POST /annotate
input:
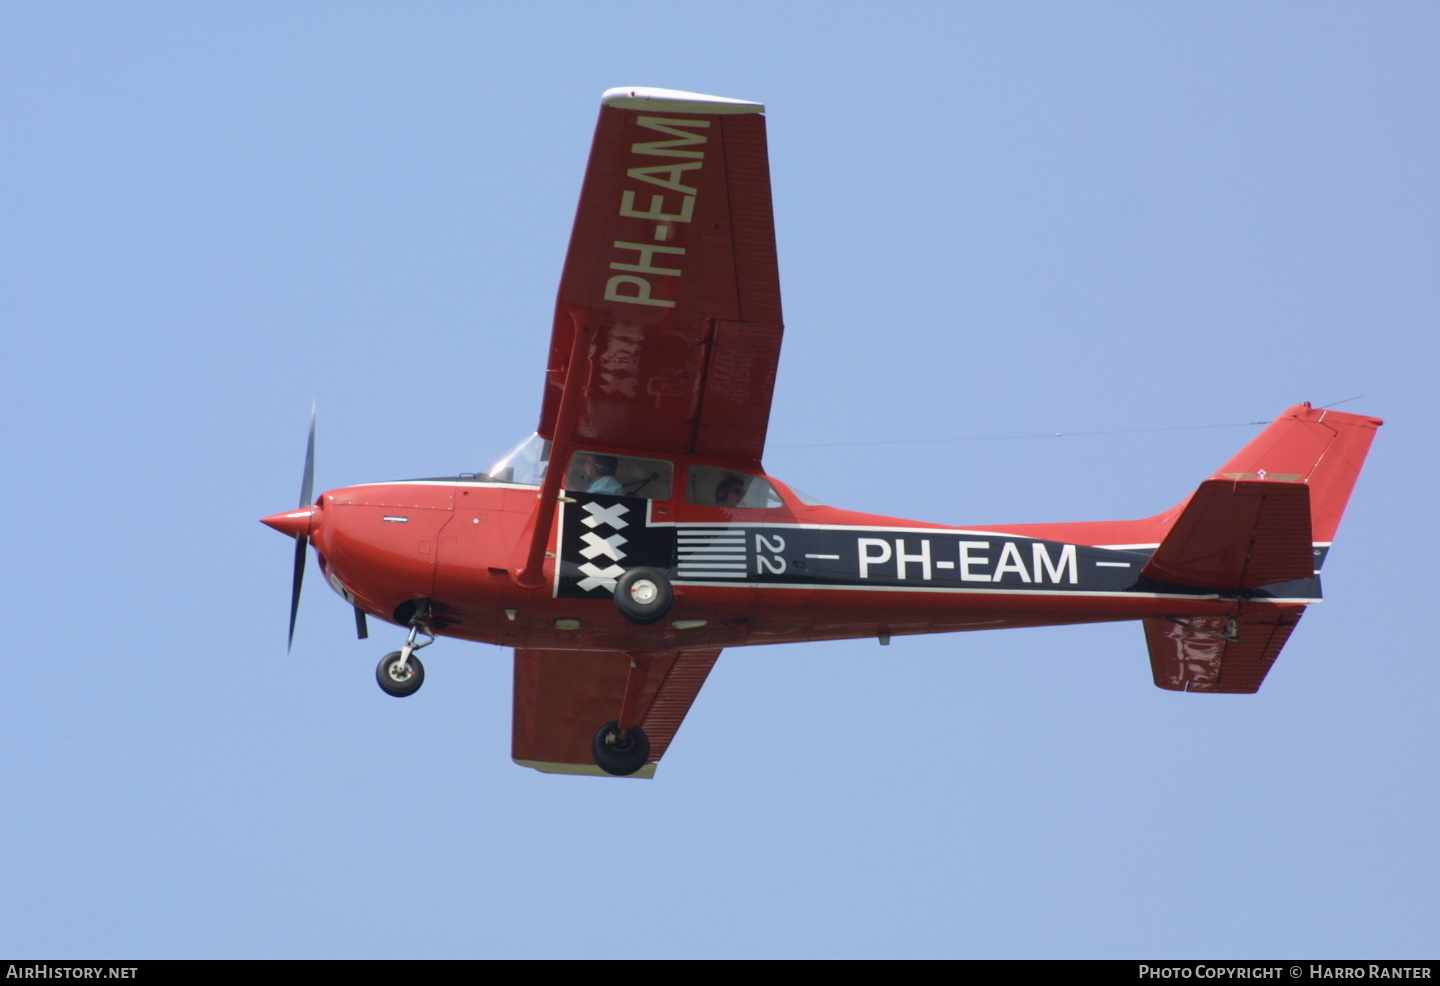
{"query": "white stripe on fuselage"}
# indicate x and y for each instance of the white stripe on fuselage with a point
(965, 590)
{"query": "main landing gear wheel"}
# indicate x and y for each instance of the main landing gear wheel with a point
(400, 681)
(620, 755)
(643, 595)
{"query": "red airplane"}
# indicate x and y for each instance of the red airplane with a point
(636, 533)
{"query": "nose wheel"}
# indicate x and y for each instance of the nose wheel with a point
(399, 678)
(400, 672)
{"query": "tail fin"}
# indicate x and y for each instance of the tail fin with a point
(1269, 513)
(1255, 522)
(1322, 449)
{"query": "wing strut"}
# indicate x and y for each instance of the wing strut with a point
(532, 576)
(631, 711)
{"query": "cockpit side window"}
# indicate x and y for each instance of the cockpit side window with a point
(711, 487)
(620, 475)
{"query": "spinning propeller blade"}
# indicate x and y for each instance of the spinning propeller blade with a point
(300, 544)
(302, 541)
(307, 484)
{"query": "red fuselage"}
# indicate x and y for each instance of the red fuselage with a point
(797, 572)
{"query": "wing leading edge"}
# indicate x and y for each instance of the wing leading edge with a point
(672, 272)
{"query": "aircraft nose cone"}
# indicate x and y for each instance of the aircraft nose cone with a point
(293, 522)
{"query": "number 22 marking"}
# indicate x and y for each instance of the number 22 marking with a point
(775, 565)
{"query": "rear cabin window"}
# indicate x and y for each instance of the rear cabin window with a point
(620, 475)
(711, 487)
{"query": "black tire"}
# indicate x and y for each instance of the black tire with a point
(617, 756)
(643, 595)
(390, 684)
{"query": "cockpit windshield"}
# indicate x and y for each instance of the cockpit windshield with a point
(524, 464)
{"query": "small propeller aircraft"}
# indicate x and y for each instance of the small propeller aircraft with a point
(636, 533)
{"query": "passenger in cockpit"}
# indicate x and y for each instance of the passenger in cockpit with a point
(729, 491)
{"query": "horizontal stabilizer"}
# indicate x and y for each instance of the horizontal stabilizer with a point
(1238, 535)
(1217, 653)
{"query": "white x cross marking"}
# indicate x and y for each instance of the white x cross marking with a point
(609, 547)
(605, 515)
(597, 576)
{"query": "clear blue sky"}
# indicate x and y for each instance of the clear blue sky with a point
(994, 220)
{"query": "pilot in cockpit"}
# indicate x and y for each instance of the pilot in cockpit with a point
(599, 472)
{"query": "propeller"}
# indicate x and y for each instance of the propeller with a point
(299, 524)
(302, 541)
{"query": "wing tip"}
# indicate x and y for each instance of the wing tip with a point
(675, 100)
(579, 769)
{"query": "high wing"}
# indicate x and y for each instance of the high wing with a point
(671, 273)
(561, 696)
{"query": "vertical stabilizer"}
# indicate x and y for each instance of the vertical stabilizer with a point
(1320, 448)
